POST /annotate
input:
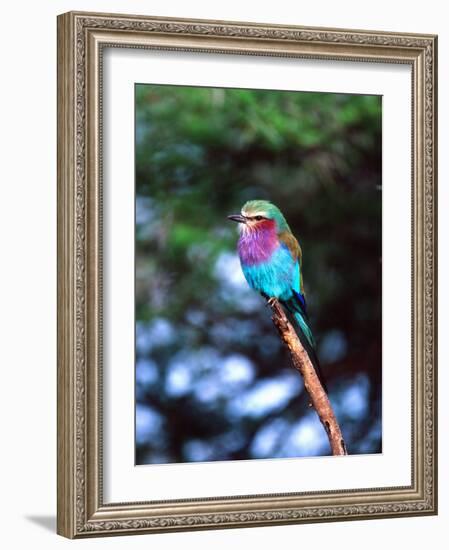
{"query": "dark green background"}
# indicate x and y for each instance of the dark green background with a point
(213, 381)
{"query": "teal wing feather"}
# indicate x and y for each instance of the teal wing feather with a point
(296, 304)
(290, 241)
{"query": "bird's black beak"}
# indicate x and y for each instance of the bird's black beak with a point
(237, 218)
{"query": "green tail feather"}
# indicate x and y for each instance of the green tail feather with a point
(306, 337)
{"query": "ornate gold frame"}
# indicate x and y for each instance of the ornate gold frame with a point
(81, 38)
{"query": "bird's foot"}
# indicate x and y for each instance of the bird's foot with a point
(271, 301)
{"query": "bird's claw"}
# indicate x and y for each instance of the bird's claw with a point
(271, 301)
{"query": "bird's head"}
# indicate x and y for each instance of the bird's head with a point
(258, 215)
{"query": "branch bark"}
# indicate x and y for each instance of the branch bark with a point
(302, 363)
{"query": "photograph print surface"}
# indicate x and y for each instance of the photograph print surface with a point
(241, 194)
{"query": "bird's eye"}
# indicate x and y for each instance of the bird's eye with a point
(258, 218)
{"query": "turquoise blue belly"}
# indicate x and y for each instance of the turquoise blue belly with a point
(276, 277)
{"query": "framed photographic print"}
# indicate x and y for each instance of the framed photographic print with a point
(246, 274)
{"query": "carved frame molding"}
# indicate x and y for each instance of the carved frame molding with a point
(81, 39)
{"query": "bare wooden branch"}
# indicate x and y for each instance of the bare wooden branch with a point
(301, 361)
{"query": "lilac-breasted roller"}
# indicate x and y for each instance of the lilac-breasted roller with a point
(271, 261)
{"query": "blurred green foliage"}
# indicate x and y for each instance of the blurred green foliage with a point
(200, 154)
